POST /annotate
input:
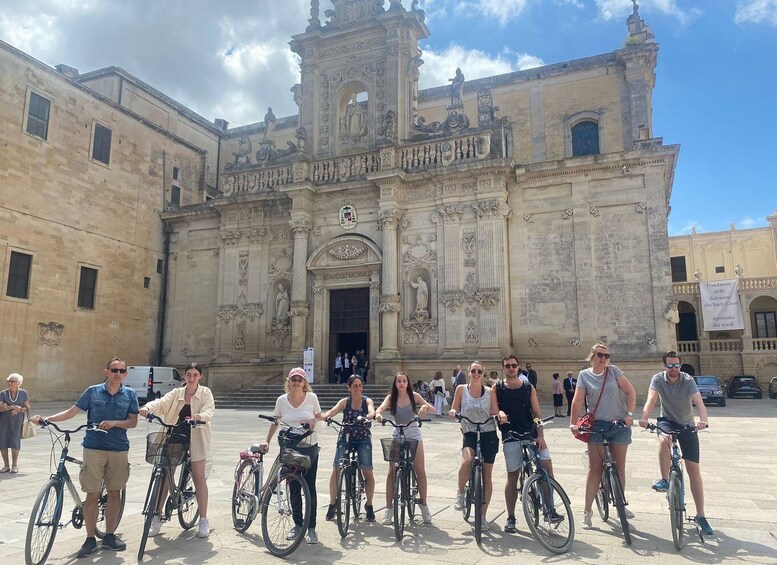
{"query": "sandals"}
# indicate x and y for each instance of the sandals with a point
(14, 469)
(5, 469)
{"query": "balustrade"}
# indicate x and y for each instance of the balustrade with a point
(687, 346)
(768, 344)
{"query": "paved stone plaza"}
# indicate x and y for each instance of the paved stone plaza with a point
(739, 458)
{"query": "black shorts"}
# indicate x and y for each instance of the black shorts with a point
(689, 441)
(558, 400)
(489, 444)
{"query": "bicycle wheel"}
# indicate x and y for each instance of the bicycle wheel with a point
(477, 500)
(619, 500)
(400, 497)
(188, 509)
(676, 509)
(102, 505)
(357, 493)
(412, 490)
(467, 509)
(343, 500)
(150, 510)
(548, 513)
(44, 523)
(280, 531)
(603, 498)
(244, 493)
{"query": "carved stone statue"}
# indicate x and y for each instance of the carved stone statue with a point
(282, 303)
(457, 89)
(421, 297)
(395, 5)
(269, 124)
(672, 314)
(297, 90)
(354, 123)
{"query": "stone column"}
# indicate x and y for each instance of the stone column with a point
(448, 220)
(389, 300)
(300, 309)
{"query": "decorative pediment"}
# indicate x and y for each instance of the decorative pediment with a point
(349, 250)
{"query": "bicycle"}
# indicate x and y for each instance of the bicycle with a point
(401, 452)
(351, 489)
(283, 526)
(47, 510)
(249, 476)
(676, 493)
(166, 449)
(542, 497)
(474, 491)
(610, 487)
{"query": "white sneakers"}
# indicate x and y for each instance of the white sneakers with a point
(484, 524)
(459, 503)
(156, 525)
(204, 529)
(425, 514)
(587, 520)
(387, 516)
(629, 514)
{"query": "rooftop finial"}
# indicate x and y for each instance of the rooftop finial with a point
(638, 31)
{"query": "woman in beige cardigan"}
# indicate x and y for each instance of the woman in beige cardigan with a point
(190, 401)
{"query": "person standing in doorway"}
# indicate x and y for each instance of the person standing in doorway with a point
(347, 371)
(569, 388)
(558, 395)
(338, 367)
(531, 374)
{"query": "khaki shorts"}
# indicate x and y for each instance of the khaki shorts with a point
(110, 467)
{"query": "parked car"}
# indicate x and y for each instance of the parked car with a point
(744, 385)
(773, 388)
(152, 382)
(711, 390)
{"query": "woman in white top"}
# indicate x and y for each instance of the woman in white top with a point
(477, 402)
(437, 387)
(300, 406)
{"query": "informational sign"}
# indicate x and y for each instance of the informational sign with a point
(307, 363)
(720, 306)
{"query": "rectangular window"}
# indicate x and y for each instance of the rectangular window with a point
(146, 282)
(175, 196)
(765, 324)
(679, 274)
(175, 173)
(19, 275)
(720, 269)
(101, 150)
(38, 116)
(159, 266)
(87, 287)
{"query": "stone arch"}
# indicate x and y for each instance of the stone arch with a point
(354, 249)
(761, 304)
(766, 369)
(571, 121)
(687, 329)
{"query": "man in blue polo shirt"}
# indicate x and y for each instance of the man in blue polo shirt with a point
(114, 408)
(678, 393)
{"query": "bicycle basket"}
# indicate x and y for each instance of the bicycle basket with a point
(392, 448)
(164, 449)
(294, 437)
(294, 458)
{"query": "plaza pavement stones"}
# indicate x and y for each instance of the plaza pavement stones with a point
(739, 462)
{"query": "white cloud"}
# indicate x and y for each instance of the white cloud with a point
(757, 12)
(745, 223)
(440, 66)
(610, 9)
(502, 10)
(689, 227)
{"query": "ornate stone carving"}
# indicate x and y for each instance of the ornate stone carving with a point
(471, 332)
(243, 268)
(470, 288)
(279, 335)
(242, 156)
(640, 207)
(491, 209)
(488, 297)
(317, 288)
(567, 214)
(240, 341)
(594, 211)
(574, 342)
(602, 339)
(300, 227)
(448, 214)
(486, 109)
(230, 237)
(419, 253)
(388, 158)
(452, 299)
(300, 171)
(226, 312)
(375, 284)
(346, 13)
(248, 310)
(469, 238)
(470, 311)
(389, 303)
(255, 235)
(419, 326)
(390, 218)
(533, 342)
(299, 308)
(348, 251)
(529, 218)
(50, 333)
(174, 256)
(650, 339)
(672, 314)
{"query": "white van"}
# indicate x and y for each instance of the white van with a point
(152, 382)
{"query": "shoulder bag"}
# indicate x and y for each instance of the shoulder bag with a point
(587, 419)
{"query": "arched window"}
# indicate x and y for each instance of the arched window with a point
(585, 138)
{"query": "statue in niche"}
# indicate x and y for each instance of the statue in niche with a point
(354, 122)
(269, 124)
(282, 304)
(421, 297)
(672, 314)
(297, 90)
(457, 89)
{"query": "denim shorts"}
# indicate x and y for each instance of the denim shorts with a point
(363, 453)
(514, 455)
(613, 432)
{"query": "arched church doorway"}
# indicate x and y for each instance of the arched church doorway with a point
(349, 324)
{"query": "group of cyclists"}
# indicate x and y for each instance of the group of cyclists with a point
(510, 406)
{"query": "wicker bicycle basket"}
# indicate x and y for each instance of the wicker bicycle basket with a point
(166, 449)
(392, 448)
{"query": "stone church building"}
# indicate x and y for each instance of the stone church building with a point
(524, 212)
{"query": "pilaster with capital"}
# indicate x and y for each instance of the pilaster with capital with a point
(299, 310)
(388, 220)
(448, 220)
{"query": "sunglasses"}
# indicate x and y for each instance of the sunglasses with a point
(511, 365)
(296, 379)
(602, 355)
(673, 365)
(476, 371)
(122, 371)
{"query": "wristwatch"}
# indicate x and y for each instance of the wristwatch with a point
(630, 414)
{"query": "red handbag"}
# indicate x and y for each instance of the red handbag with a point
(587, 419)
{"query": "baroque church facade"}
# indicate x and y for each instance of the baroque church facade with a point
(523, 212)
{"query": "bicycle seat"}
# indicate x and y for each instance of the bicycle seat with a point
(256, 448)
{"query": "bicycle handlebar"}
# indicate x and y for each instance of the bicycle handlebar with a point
(359, 420)
(89, 427)
(686, 428)
(459, 416)
(417, 420)
(524, 436)
(279, 422)
(151, 417)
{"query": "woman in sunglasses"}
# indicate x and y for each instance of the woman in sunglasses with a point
(476, 401)
(605, 387)
(191, 401)
(300, 406)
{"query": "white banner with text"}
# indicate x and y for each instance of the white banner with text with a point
(720, 306)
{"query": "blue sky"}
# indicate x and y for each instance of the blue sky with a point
(715, 95)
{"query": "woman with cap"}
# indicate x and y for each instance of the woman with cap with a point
(300, 406)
